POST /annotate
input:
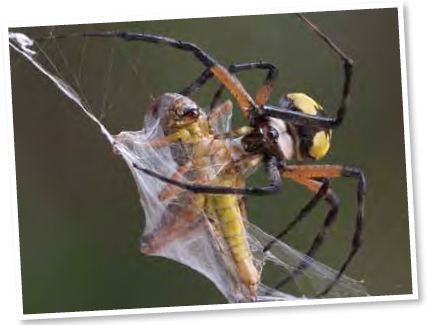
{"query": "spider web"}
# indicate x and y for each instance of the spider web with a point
(198, 247)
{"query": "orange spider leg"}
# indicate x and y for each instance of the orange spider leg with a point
(241, 131)
(313, 171)
(264, 93)
(234, 86)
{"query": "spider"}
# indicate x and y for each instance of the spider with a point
(296, 129)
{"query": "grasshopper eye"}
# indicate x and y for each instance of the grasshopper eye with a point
(193, 112)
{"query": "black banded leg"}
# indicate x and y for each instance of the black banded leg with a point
(197, 84)
(320, 121)
(202, 56)
(270, 166)
(330, 218)
(212, 66)
(357, 236)
(304, 212)
(207, 75)
(311, 172)
(347, 66)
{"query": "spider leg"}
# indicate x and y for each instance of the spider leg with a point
(320, 121)
(270, 166)
(197, 84)
(239, 132)
(320, 194)
(333, 171)
(212, 66)
(330, 197)
(264, 92)
(347, 66)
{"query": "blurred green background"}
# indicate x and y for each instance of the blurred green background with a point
(79, 215)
